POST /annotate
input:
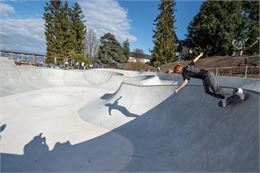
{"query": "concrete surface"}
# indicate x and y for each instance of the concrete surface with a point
(122, 121)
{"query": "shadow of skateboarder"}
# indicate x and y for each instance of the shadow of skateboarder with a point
(122, 109)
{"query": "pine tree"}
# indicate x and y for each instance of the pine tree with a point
(110, 51)
(64, 31)
(78, 28)
(126, 50)
(61, 28)
(51, 11)
(77, 34)
(164, 35)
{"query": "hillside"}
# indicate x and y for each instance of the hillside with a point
(219, 61)
(220, 64)
(224, 65)
(137, 66)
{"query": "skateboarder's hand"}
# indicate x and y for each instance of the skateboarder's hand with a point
(176, 91)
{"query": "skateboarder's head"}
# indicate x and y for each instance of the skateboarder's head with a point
(178, 68)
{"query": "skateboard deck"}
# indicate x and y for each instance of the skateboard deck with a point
(233, 99)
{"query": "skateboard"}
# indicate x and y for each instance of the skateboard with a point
(233, 99)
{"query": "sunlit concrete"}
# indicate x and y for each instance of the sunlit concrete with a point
(116, 120)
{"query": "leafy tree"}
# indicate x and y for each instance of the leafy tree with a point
(126, 50)
(164, 35)
(219, 23)
(251, 14)
(79, 57)
(213, 28)
(110, 51)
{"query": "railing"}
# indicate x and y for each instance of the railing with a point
(240, 71)
(23, 56)
(28, 63)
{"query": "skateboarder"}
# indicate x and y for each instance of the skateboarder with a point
(208, 78)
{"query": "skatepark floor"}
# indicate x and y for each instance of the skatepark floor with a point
(106, 120)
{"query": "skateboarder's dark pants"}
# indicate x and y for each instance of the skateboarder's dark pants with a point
(212, 88)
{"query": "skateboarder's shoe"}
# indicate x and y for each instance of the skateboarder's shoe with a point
(235, 90)
(241, 93)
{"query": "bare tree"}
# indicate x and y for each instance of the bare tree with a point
(240, 45)
(91, 43)
(138, 53)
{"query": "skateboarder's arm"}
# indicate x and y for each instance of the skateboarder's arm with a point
(198, 57)
(183, 84)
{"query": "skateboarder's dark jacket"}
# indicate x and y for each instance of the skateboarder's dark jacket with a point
(192, 71)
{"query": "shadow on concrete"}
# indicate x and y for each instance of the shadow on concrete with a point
(119, 108)
(37, 144)
(194, 135)
(107, 96)
(101, 154)
(2, 127)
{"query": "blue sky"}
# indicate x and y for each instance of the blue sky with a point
(22, 26)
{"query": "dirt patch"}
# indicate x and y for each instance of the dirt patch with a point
(137, 66)
(219, 63)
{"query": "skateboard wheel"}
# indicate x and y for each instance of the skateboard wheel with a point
(220, 104)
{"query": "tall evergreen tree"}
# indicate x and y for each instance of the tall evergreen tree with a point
(126, 50)
(110, 51)
(164, 35)
(64, 31)
(78, 28)
(51, 12)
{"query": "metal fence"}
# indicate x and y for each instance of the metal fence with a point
(239, 71)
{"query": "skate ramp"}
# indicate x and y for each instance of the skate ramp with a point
(246, 83)
(194, 134)
(15, 79)
(127, 103)
(69, 122)
(187, 132)
(176, 135)
(41, 97)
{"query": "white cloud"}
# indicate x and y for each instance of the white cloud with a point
(28, 34)
(5, 9)
(107, 16)
(22, 35)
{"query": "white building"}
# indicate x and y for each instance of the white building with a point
(143, 58)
